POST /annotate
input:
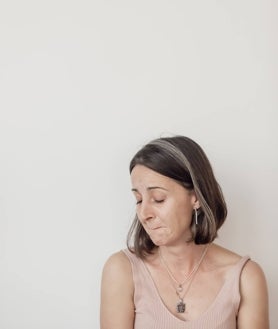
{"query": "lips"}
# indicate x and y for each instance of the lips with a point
(154, 228)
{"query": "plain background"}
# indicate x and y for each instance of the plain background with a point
(84, 84)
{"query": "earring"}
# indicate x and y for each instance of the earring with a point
(196, 216)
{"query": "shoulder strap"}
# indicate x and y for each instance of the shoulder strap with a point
(236, 282)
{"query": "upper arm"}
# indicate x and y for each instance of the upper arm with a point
(253, 310)
(117, 307)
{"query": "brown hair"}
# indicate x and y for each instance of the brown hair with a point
(183, 160)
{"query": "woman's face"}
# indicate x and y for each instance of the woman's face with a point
(163, 206)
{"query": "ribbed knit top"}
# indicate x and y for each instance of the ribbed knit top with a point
(151, 312)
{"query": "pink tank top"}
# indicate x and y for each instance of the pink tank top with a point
(151, 313)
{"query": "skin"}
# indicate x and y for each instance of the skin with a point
(165, 210)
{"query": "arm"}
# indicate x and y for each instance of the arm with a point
(117, 307)
(253, 310)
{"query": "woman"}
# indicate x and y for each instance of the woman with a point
(172, 275)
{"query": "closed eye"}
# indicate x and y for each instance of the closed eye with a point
(159, 201)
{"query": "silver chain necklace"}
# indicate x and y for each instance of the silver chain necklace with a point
(178, 286)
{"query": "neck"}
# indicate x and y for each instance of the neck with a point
(182, 259)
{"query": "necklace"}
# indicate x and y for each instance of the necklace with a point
(178, 286)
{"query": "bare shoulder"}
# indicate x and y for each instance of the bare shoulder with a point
(117, 264)
(253, 308)
(253, 282)
(252, 272)
(117, 273)
(117, 289)
(253, 269)
(228, 257)
(220, 257)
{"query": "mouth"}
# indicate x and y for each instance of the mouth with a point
(154, 228)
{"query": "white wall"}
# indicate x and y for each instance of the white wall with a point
(83, 85)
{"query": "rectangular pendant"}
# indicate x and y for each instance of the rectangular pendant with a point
(180, 307)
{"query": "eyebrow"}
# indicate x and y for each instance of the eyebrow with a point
(151, 188)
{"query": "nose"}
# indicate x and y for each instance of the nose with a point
(145, 211)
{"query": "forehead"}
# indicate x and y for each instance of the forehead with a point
(142, 176)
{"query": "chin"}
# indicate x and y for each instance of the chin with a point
(159, 242)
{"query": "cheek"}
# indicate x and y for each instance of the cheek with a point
(139, 214)
(141, 221)
(182, 216)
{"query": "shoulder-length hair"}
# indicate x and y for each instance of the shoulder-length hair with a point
(183, 160)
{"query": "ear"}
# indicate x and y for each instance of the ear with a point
(195, 201)
(197, 205)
